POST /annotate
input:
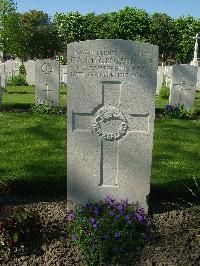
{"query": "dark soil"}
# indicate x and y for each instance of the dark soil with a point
(173, 242)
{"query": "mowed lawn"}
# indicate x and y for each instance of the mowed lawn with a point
(24, 96)
(33, 149)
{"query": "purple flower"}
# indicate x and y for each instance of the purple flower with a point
(121, 209)
(141, 217)
(127, 217)
(125, 201)
(92, 220)
(117, 235)
(96, 211)
(111, 213)
(117, 217)
(110, 200)
(106, 237)
(168, 108)
(70, 216)
(87, 205)
(94, 223)
(95, 226)
(74, 237)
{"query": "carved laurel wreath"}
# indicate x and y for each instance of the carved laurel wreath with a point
(108, 113)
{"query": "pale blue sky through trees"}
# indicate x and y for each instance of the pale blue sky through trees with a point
(174, 8)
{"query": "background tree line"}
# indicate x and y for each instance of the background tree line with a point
(35, 35)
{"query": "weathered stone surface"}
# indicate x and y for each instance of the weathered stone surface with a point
(63, 74)
(47, 82)
(11, 68)
(168, 74)
(198, 80)
(160, 78)
(111, 106)
(30, 72)
(183, 85)
(3, 75)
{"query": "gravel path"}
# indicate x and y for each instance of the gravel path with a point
(173, 242)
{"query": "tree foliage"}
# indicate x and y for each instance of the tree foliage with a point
(33, 34)
(187, 28)
(6, 7)
(163, 33)
(30, 35)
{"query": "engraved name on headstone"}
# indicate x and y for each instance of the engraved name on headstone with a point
(183, 85)
(47, 82)
(111, 105)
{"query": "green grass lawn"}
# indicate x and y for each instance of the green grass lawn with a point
(24, 96)
(176, 155)
(33, 148)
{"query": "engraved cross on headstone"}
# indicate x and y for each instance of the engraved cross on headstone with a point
(47, 90)
(110, 142)
(183, 88)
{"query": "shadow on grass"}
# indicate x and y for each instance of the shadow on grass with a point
(19, 106)
(178, 197)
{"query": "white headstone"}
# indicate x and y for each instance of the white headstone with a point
(47, 82)
(160, 78)
(198, 80)
(168, 74)
(111, 106)
(183, 85)
(63, 74)
(30, 72)
(11, 68)
(3, 75)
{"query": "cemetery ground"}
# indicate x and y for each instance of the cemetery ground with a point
(33, 175)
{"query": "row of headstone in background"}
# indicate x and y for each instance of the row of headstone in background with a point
(166, 73)
(10, 69)
(111, 109)
(44, 74)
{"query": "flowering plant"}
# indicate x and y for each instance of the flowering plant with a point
(106, 231)
(179, 112)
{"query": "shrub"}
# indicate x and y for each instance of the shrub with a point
(17, 81)
(46, 107)
(164, 91)
(63, 60)
(3, 90)
(106, 231)
(22, 70)
(19, 229)
(179, 112)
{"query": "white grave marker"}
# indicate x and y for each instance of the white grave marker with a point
(47, 82)
(111, 106)
(183, 85)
